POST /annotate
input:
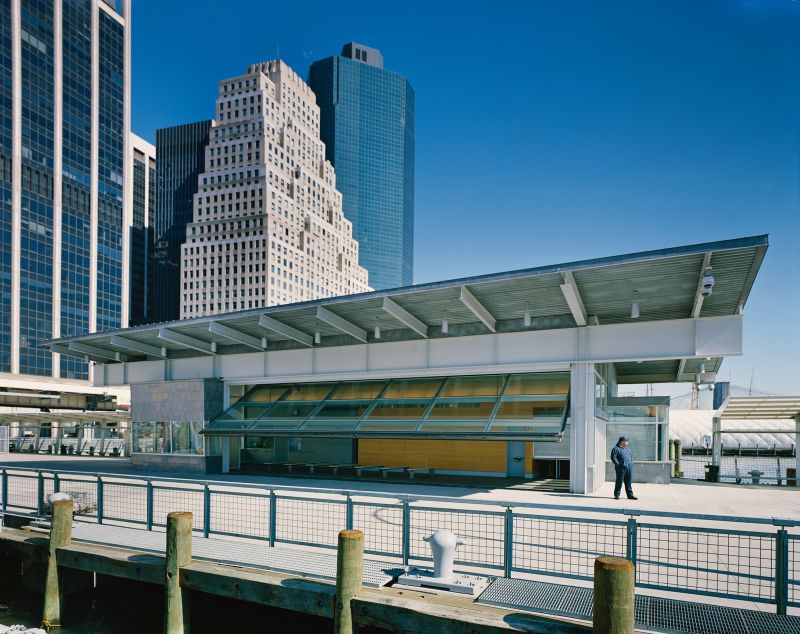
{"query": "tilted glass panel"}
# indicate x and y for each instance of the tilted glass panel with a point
(474, 385)
(229, 425)
(453, 425)
(542, 383)
(269, 425)
(352, 390)
(308, 392)
(243, 411)
(285, 409)
(399, 410)
(455, 409)
(343, 409)
(264, 393)
(331, 425)
(388, 425)
(519, 409)
(414, 388)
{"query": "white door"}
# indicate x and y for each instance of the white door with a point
(3, 439)
(515, 459)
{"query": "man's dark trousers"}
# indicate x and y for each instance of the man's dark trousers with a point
(623, 475)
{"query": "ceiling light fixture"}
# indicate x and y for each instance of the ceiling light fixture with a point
(377, 331)
(317, 338)
(526, 318)
(445, 324)
(635, 305)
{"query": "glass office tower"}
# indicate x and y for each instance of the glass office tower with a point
(143, 221)
(367, 125)
(64, 121)
(181, 157)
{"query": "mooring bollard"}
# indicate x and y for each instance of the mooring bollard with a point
(349, 573)
(614, 579)
(179, 553)
(60, 535)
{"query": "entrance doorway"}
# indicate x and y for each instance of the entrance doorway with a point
(515, 459)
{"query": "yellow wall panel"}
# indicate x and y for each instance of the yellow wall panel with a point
(456, 455)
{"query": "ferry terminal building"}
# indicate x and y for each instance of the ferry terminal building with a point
(513, 374)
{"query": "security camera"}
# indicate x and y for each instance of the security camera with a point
(706, 283)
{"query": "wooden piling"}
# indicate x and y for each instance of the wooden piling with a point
(60, 535)
(349, 575)
(179, 553)
(613, 610)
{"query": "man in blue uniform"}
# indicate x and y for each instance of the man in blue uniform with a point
(622, 458)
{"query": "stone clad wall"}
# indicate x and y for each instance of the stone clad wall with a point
(193, 399)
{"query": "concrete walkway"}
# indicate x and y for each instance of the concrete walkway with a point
(686, 496)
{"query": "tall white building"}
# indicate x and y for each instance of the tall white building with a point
(268, 225)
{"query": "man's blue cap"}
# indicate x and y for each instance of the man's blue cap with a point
(622, 438)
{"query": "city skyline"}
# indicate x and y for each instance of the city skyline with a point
(615, 139)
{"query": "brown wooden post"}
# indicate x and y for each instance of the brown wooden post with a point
(179, 553)
(349, 575)
(613, 611)
(60, 535)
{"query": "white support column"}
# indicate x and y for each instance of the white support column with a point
(584, 472)
(94, 161)
(127, 175)
(716, 441)
(58, 142)
(796, 453)
(16, 178)
(226, 454)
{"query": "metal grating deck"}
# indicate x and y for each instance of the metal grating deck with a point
(249, 555)
(653, 614)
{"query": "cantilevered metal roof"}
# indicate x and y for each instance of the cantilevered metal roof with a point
(667, 283)
(67, 418)
(760, 408)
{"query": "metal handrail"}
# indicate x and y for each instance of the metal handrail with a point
(772, 521)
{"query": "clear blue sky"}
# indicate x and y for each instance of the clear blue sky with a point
(550, 131)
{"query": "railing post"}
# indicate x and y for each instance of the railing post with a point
(40, 494)
(273, 520)
(508, 545)
(56, 483)
(99, 500)
(5, 489)
(781, 570)
(678, 456)
(206, 511)
(406, 532)
(630, 544)
(149, 491)
(349, 513)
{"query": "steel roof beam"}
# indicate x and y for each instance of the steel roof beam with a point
(186, 341)
(477, 309)
(95, 351)
(273, 325)
(136, 346)
(404, 317)
(681, 369)
(222, 330)
(571, 293)
(698, 298)
(61, 349)
(332, 319)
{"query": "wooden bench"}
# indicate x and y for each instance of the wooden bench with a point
(385, 470)
(361, 468)
(411, 471)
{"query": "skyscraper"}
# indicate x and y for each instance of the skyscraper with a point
(65, 177)
(268, 225)
(181, 150)
(367, 125)
(141, 232)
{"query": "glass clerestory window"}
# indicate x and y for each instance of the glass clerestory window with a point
(510, 405)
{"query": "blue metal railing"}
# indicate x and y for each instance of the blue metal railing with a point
(716, 559)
